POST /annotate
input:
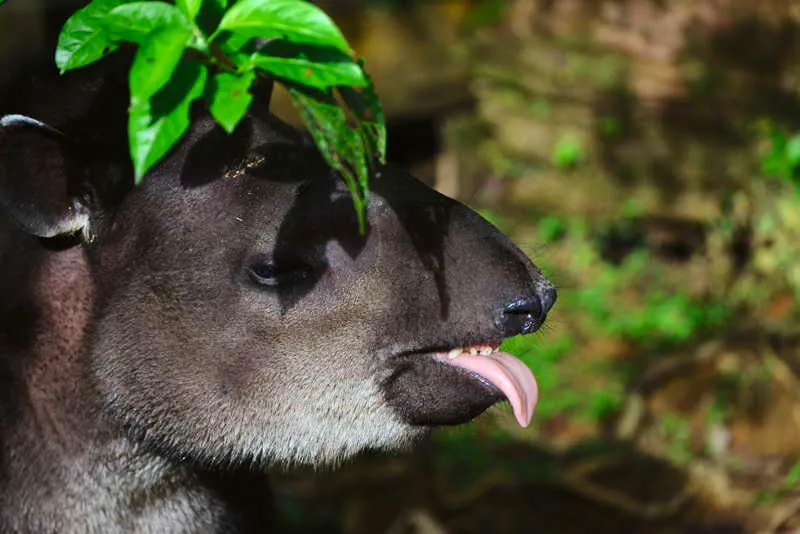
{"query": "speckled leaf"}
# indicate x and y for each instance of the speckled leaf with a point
(340, 145)
(314, 66)
(368, 112)
(231, 98)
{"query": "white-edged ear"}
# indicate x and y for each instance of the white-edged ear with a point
(16, 121)
(41, 176)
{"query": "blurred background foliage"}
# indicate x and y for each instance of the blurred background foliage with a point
(646, 153)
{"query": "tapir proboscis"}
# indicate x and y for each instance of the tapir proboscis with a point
(161, 345)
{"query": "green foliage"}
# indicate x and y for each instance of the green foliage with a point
(84, 39)
(231, 98)
(136, 21)
(190, 8)
(290, 41)
(155, 124)
(341, 147)
(289, 20)
(547, 358)
(787, 486)
(636, 301)
(485, 13)
(781, 159)
(567, 152)
(610, 126)
(792, 478)
(308, 65)
(662, 316)
(678, 433)
(550, 229)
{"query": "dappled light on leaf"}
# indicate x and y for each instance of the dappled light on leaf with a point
(157, 123)
(291, 41)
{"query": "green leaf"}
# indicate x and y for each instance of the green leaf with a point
(309, 65)
(156, 124)
(237, 48)
(155, 61)
(793, 150)
(190, 8)
(366, 107)
(83, 38)
(231, 98)
(136, 20)
(232, 42)
(293, 20)
(340, 145)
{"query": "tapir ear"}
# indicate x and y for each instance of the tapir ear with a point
(41, 174)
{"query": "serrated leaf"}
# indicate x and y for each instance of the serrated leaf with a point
(309, 65)
(340, 145)
(293, 20)
(156, 60)
(156, 124)
(190, 8)
(368, 111)
(83, 38)
(136, 20)
(231, 98)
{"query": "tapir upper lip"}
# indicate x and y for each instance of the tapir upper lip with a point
(447, 347)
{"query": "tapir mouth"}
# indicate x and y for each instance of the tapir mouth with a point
(502, 374)
(501, 370)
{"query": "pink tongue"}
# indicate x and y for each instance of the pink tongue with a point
(510, 376)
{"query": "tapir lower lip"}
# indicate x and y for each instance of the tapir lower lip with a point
(437, 355)
(500, 373)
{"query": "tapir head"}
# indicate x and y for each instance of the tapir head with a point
(239, 315)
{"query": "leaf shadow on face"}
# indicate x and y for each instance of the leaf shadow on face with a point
(320, 214)
(425, 216)
(215, 154)
(321, 210)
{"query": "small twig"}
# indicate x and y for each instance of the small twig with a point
(782, 515)
(575, 482)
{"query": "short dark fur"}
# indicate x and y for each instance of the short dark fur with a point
(161, 345)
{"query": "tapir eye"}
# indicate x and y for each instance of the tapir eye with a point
(270, 274)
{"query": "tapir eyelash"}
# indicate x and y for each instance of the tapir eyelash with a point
(264, 274)
(270, 275)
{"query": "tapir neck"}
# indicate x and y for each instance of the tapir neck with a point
(65, 466)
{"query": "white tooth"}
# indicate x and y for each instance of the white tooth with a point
(486, 351)
(473, 351)
(454, 353)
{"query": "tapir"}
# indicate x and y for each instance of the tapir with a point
(163, 344)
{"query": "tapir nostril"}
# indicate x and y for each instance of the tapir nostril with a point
(548, 298)
(526, 315)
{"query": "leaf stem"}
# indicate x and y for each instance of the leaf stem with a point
(219, 58)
